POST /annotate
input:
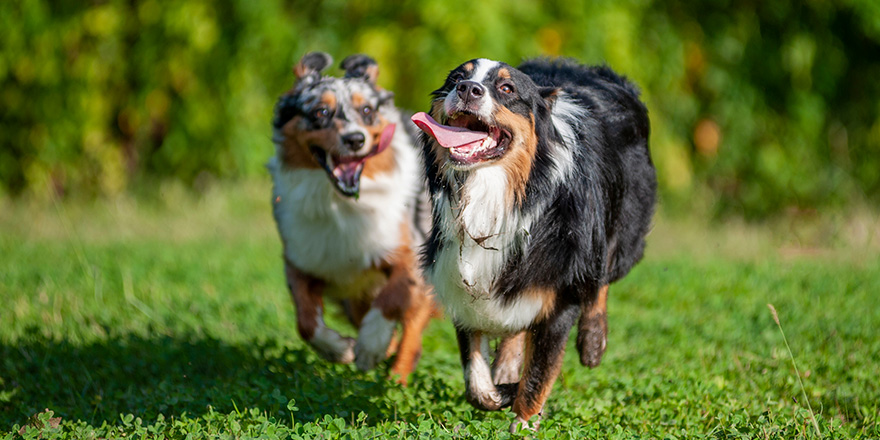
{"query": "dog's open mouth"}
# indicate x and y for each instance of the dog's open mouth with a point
(345, 170)
(469, 139)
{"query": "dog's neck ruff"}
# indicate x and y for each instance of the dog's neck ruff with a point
(480, 230)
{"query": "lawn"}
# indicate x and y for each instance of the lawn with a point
(165, 315)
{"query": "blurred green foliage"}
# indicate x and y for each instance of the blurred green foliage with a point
(766, 105)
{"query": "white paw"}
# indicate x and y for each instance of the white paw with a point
(373, 339)
(484, 400)
(333, 347)
(519, 424)
(480, 391)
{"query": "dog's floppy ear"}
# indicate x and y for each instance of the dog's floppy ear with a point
(309, 68)
(549, 94)
(360, 66)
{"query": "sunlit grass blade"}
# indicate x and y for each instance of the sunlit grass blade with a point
(796, 370)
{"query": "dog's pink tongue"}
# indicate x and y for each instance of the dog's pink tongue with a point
(385, 138)
(446, 136)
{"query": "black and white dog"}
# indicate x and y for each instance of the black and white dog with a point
(543, 190)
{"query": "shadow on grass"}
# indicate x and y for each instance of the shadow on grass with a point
(151, 376)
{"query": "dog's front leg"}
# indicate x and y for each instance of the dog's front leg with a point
(545, 346)
(374, 339)
(414, 320)
(480, 391)
(377, 327)
(404, 298)
(306, 293)
(509, 359)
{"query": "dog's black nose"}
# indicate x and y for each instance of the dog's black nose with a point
(354, 141)
(470, 90)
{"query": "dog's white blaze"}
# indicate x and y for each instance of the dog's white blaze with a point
(465, 272)
(334, 237)
(352, 115)
(373, 339)
(481, 70)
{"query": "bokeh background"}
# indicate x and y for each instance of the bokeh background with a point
(757, 107)
(142, 288)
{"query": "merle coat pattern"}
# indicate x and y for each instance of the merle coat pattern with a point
(346, 197)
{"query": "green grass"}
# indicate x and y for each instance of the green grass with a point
(166, 316)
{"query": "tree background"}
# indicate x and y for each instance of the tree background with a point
(756, 106)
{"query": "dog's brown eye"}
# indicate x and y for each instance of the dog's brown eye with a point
(506, 88)
(367, 114)
(321, 113)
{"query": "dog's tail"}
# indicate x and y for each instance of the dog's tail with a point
(593, 330)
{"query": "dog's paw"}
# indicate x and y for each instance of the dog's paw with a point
(484, 395)
(373, 339)
(520, 424)
(333, 347)
(486, 400)
(592, 340)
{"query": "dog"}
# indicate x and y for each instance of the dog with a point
(543, 189)
(347, 191)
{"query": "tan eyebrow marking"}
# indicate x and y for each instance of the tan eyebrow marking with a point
(329, 99)
(357, 100)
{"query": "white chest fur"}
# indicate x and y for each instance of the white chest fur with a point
(337, 238)
(479, 236)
